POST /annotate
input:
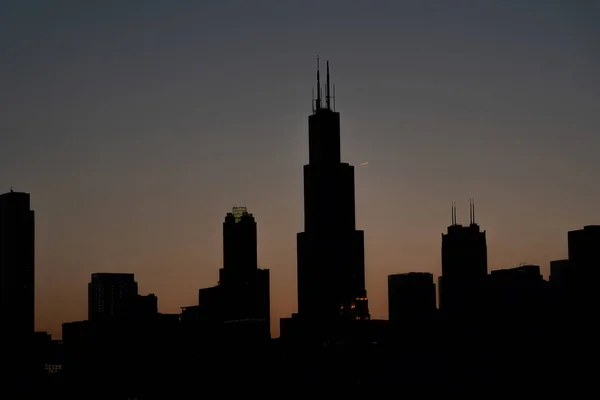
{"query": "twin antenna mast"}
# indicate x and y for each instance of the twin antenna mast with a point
(329, 96)
(471, 212)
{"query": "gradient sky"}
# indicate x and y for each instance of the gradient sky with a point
(136, 125)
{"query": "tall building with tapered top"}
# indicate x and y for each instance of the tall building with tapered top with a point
(331, 261)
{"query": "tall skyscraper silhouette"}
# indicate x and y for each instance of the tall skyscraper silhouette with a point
(331, 263)
(464, 265)
(109, 294)
(17, 272)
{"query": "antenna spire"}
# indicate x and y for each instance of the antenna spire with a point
(472, 210)
(327, 90)
(334, 97)
(453, 213)
(318, 104)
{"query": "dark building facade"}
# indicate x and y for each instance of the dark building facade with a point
(139, 306)
(411, 296)
(240, 303)
(464, 266)
(519, 293)
(584, 248)
(111, 294)
(17, 264)
(560, 273)
(17, 289)
(331, 262)
(584, 260)
(240, 244)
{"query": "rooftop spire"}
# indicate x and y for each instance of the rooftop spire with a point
(327, 90)
(318, 104)
(453, 213)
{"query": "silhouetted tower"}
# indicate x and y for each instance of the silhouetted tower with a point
(411, 296)
(464, 265)
(17, 291)
(240, 245)
(331, 267)
(243, 293)
(109, 294)
(17, 261)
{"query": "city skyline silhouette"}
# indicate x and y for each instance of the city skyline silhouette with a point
(138, 182)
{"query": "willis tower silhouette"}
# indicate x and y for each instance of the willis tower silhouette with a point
(331, 261)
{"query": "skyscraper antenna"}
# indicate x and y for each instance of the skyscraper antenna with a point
(318, 104)
(453, 213)
(327, 90)
(334, 97)
(473, 209)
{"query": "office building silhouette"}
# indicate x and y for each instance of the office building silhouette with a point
(464, 266)
(109, 294)
(519, 293)
(17, 263)
(560, 272)
(584, 261)
(584, 248)
(240, 303)
(331, 260)
(411, 297)
(17, 289)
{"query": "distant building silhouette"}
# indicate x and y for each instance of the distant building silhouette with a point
(240, 244)
(584, 248)
(110, 294)
(139, 306)
(240, 303)
(518, 293)
(17, 289)
(411, 296)
(331, 260)
(584, 260)
(464, 266)
(560, 272)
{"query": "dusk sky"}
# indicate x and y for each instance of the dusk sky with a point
(137, 125)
